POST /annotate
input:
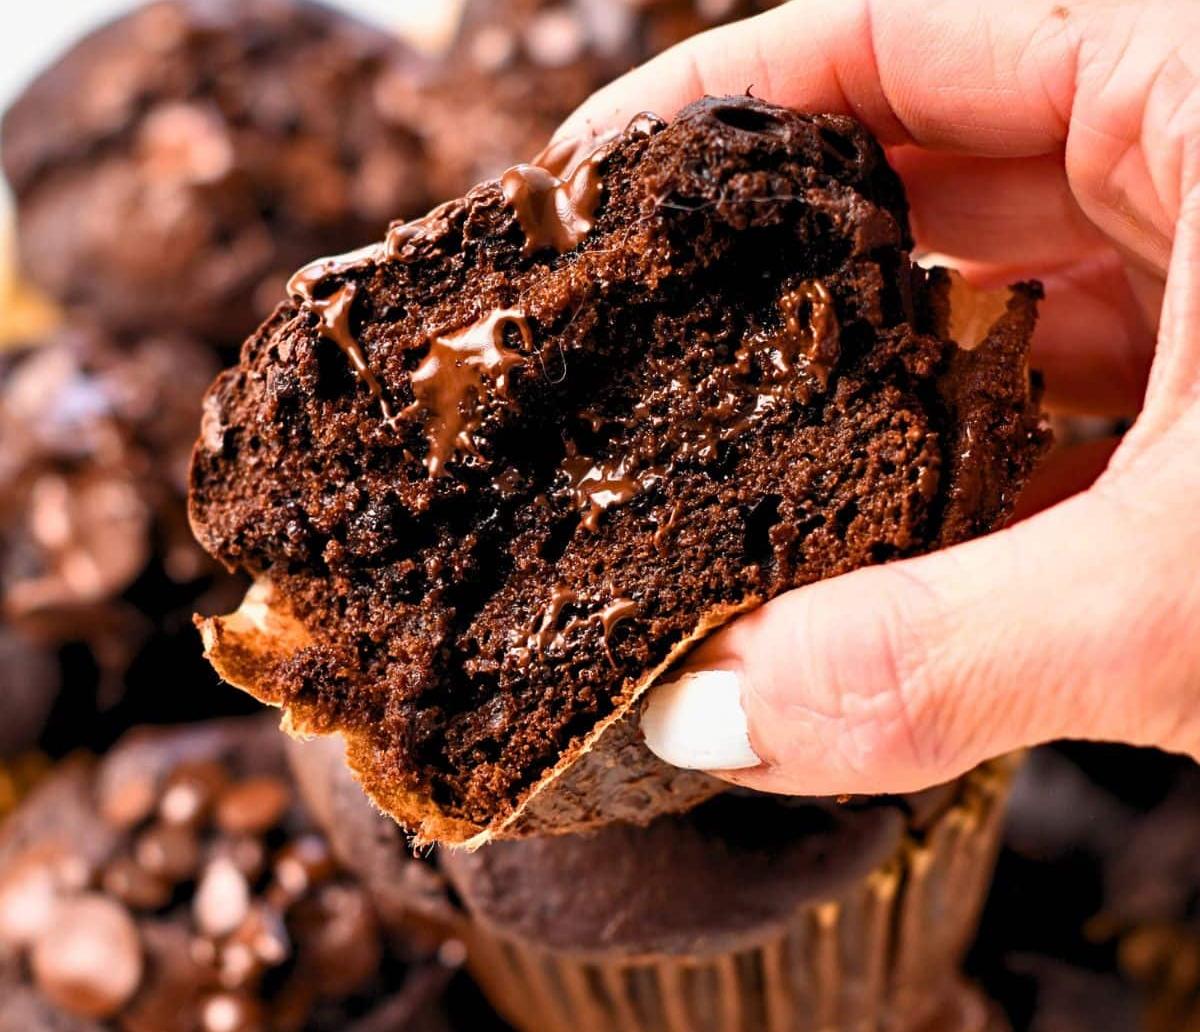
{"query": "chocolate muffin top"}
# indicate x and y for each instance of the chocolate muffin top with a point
(99, 573)
(174, 166)
(177, 886)
(498, 472)
(701, 882)
(517, 68)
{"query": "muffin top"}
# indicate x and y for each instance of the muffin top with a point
(703, 882)
(174, 166)
(177, 885)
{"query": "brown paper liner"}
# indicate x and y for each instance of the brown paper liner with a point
(882, 957)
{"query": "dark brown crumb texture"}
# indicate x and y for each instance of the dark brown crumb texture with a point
(504, 464)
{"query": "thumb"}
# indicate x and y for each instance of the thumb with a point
(1079, 622)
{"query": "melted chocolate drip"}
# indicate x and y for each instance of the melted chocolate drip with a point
(808, 341)
(597, 486)
(334, 311)
(555, 213)
(771, 363)
(546, 633)
(454, 381)
(556, 196)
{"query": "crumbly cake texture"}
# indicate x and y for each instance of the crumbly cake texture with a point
(173, 167)
(497, 473)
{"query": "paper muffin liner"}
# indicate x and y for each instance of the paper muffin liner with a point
(883, 956)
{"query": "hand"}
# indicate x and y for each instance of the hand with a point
(1058, 141)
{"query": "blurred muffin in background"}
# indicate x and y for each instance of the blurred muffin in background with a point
(175, 166)
(177, 884)
(99, 573)
(1094, 917)
(517, 68)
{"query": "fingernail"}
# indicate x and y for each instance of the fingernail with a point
(698, 722)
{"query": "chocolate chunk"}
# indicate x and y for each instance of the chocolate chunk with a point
(211, 935)
(168, 851)
(222, 898)
(89, 960)
(253, 807)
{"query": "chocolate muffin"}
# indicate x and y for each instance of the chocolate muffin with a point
(98, 570)
(496, 474)
(175, 165)
(751, 912)
(517, 68)
(1094, 917)
(176, 885)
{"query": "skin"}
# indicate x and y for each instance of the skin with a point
(1037, 139)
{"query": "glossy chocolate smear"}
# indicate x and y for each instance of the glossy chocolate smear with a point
(549, 631)
(556, 196)
(555, 214)
(333, 313)
(596, 486)
(455, 381)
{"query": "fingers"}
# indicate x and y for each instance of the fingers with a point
(990, 210)
(901, 676)
(1093, 344)
(983, 78)
(1068, 470)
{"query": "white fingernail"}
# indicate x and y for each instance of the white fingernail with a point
(698, 722)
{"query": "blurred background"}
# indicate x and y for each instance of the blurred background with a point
(46, 30)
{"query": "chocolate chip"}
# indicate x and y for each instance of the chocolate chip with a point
(232, 1012)
(222, 899)
(260, 943)
(130, 803)
(134, 886)
(190, 791)
(30, 889)
(247, 853)
(89, 961)
(303, 863)
(171, 991)
(168, 851)
(338, 939)
(254, 806)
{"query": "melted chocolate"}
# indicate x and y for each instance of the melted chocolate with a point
(807, 341)
(546, 633)
(556, 196)
(334, 313)
(597, 486)
(454, 381)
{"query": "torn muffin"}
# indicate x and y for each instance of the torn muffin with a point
(497, 473)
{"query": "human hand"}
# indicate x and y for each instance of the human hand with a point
(1037, 139)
